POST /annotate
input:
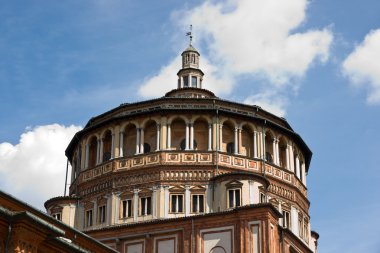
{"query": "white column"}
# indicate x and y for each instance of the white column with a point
(220, 137)
(251, 192)
(98, 152)
(109, 210)
(277, 157)
(169, 136)
(117, 207)
(287, 157)
(239, 141)
(274, 151)
(135, 204)
(209, 207)
(278, 151)
(181, 86)
(262, 140)
(86, 156)
(258, 144)
(121, 144)
(166, 201)
(137, 140)
(191, 136)
(298, 167)
(281, 220)
(154, 207)
(255, 144)
(187, 200)
(187, 137)
(158, 137)
(236, 141)
(112, 146)
(198, 82)
(95, 214)
(101, 151)
(303, 173)
(294, 220)
(291, 156)
(141, 140)
(209, 137)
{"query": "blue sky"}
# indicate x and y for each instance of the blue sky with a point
(315, 62)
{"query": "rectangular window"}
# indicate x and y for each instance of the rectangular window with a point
(126, 208)
(88, 222)
(57, 216)
(186, 81)
(300, 226)
(145, 206)
(176, 203)
(102, 214)
(198, 203)
(286, 219)
(194, 81)
(306, 229)
(233, 198)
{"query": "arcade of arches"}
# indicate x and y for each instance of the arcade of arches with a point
(200, 134)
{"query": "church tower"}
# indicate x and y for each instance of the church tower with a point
(190, 76)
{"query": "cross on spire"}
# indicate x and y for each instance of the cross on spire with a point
(190, 34)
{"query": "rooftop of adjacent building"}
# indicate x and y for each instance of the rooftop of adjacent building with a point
(14, 210)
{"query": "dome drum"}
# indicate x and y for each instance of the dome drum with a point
(188, 154)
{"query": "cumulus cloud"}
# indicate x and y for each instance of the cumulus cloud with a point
(34, 169)
(269, 101)
(250, 37)
(166, 79)
(362, 66)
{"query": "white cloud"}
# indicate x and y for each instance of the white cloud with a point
(362, 66)
(34, 169)
(254, 36)
(269, 101)
(166, 79)
(249, 37)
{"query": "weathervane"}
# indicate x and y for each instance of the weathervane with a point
(190, 34)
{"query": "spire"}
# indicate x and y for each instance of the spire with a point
(190, 76)
(190, 34)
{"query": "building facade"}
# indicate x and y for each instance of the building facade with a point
(23, 229)
(189, 172)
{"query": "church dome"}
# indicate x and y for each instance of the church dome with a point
(189, 154)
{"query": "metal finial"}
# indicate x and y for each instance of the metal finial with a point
(190, 34)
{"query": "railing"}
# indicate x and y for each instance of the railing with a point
(195, 158)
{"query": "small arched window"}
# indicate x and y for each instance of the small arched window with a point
(268, 157)
(146, 148)
(106, 156)
(183, 144)
(230, 148)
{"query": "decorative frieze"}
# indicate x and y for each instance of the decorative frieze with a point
(97, 171)
(194, 159)
(281, 191)
(136, 179)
